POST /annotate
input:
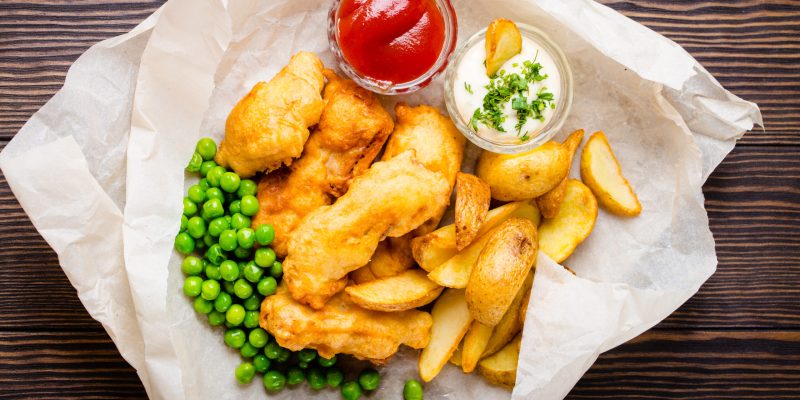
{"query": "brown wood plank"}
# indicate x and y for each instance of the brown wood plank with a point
(697, 365)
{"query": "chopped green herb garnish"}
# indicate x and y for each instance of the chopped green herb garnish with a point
(468, 87)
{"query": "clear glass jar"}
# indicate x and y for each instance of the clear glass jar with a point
(545, 133)
(390, 88)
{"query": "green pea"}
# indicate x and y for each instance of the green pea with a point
(295, 376)
(215, 175)
(242, 253)
(216, 318)
(229, 182)
(250, 319)
(184, 243)
(207, 148)
(267, 286)
(230, 197)
(217, 226)
(203, 183)
(194, 163)
(283, 355)
(227, 240)
(239, 221)
(213, 208)
(369, 379)
(412, 390)
(326, 362)
(196, 227)
(215, 254)
(246, 237)
(261, 363)
(249, 205)
(223, 302)
(272, 350)
(208, 240)
(235, 314)
(245, 372)
(276, 270)
(202, 305)
(196, 194)
(199, 244)
(302, 364)
(265, 234)
(265, 256)
(235, 338)
(227, 287)
(189, 207)
(192, 286)
(229, 270)
(274, 381)
(252, 272)
(184, 222)
(215, 193)
(258, 337)
(248, 350)
(242, 289)
(210, 289)
(212, 272)
(334, 377)
(252, 303)
(247, 188)
(192, 266)
(307, 355)
(316, 379)
(235, 207)
(206, 167)
(351, 391)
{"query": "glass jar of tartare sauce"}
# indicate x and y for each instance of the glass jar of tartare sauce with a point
(528, 117)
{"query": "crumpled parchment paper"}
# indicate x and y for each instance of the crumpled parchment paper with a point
(99, 170)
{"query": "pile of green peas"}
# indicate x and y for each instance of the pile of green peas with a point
(228, 276)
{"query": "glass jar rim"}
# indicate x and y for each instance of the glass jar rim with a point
(563, 107)
(390, 88)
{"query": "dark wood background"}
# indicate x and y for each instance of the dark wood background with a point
(738, 338)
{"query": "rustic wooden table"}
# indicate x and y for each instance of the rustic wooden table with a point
(739, 337)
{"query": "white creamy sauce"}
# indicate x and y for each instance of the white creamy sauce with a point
(471, 71)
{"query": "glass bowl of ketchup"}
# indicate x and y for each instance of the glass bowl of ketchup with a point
(392, 46)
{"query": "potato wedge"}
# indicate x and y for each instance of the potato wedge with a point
(455, 359)
(510, 324)
(525, 175)
(550, 202)
(474, 343)
(503, 41)
(433, 249)
(559, 236)
(472, 204)
(601, 172)
(501, 368)
(501, 269)
(455, 272)
(451, 319)
(407, 290)
(363, 275)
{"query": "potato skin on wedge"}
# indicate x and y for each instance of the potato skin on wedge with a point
(405, 291)
(601, 172)
(550, 202)
(560, 235)
(501, 269)
(511, 323)
(524, 176)
(472, 204)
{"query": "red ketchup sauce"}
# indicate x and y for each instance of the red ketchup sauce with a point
(390, 40)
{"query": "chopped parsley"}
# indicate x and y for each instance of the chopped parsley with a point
(468, 87)
(513, 88)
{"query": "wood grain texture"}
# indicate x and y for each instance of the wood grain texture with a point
(739, 337)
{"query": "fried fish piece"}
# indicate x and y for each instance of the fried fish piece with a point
(342, 327)
(353, 128)
(391, 199)
(269, 126)
(440, 147)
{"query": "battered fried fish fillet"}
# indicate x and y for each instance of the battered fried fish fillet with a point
(269, 126)
(353, 128)
(440, 147)
(391, 199)
(343, 327)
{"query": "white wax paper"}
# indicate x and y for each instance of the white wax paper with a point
(99, 170)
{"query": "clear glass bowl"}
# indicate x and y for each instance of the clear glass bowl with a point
(386, 87)
(563, 104)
